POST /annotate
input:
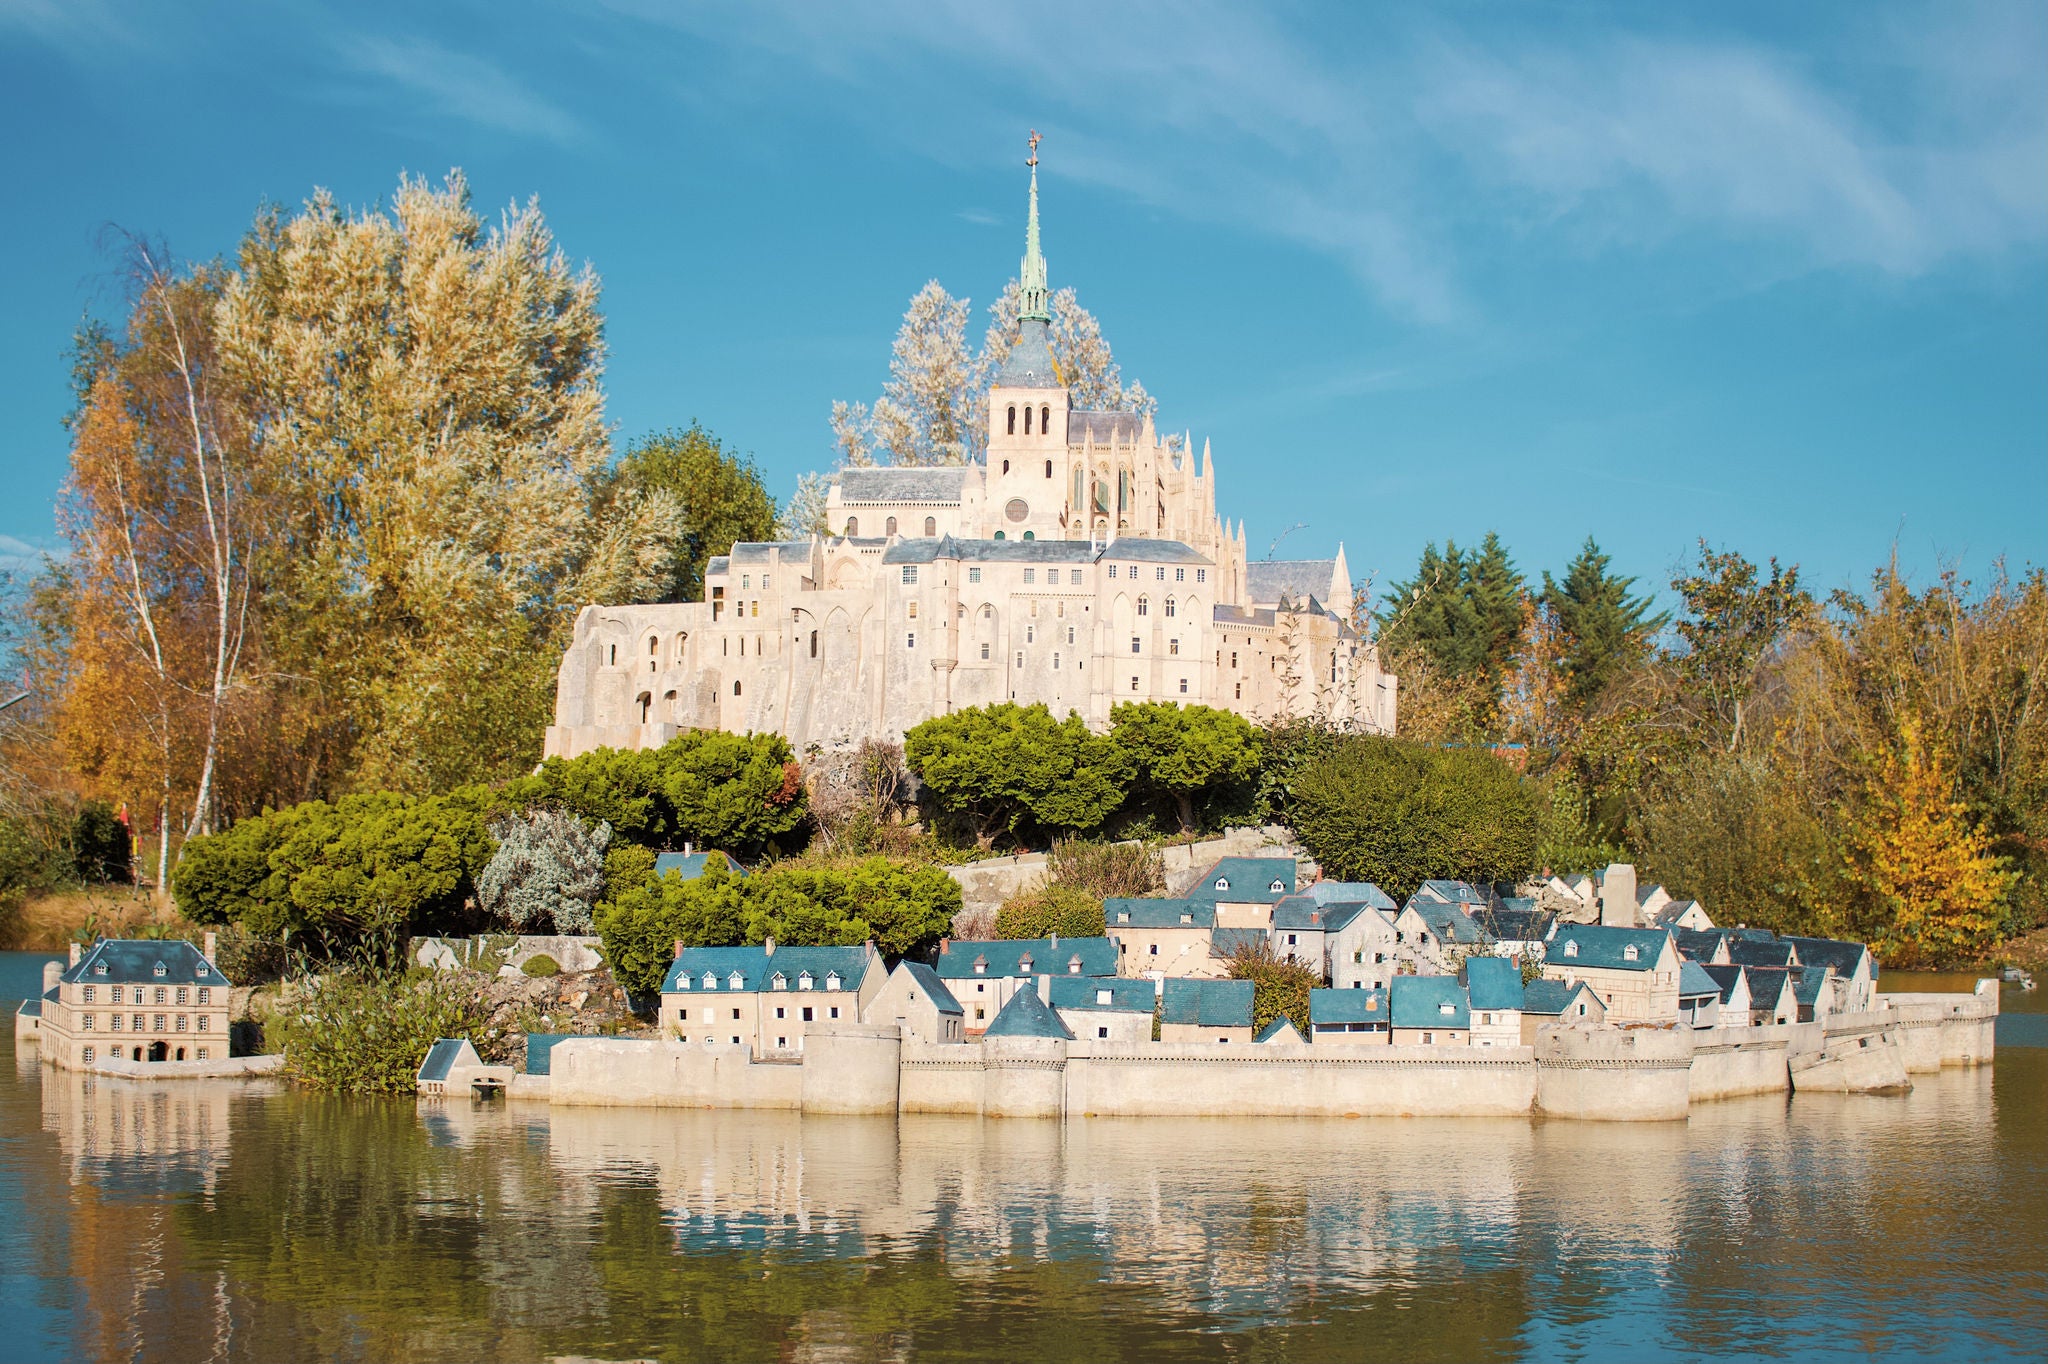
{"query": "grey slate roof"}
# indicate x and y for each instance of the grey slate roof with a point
(1250, 880)
(1083, 993)
(717, 564)
(757, 968)
(1026, 1015)
(1266, 581)
(1807, 984)
(441, 1058)
(1299, 912)
(1138, 550)
(1602, 946)
(1724, 976)
(940, 486)
(1693, 981)
(119, 961)
(1350, 893)
(934, 989)
(1668, 916)
(1515, 923)
(1845, 957)
(1768, 983)
(1240, 615)
(31, 1008)
(1228, 942)
(1455, 892)
(1449, 922)
(1347, 1006)
(1551, 997)
(1119, 912)
(1417, 1002)
(1273, 1030)
(1047, 956)
(757, 551)
(1699, 944)
(1493, 983)
(1207, 1003)
(1029, 363)
(690, 866)
(1104, 428)
(1747, 951)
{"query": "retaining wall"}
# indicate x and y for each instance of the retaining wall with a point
(1613, 1074)
(607, 1072)
(1727, 1062)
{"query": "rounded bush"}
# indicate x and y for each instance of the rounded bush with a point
(542, 965)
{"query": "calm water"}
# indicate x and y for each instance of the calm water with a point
(195, 1221)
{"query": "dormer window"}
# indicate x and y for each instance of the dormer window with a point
(832, 981)
(735, 981)
(1446, 1008)
(1571, 949)
(778, 981)
(1278, 887)
(1073, 966)
(1629, 953)
(682, 982)
(805, 981)
(1024, 964)
(1187, 918)
(1223, 883)
(710, 981)
(160, 972)
(1123, 916)
(981, 966)
(100, 970)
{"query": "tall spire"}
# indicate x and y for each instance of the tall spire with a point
(1031, 277)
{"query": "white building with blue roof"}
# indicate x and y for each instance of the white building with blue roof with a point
(140, 999)
(765, 996)
(1078, 561)
(984, 974)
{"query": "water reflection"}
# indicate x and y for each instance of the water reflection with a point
(204, 1220)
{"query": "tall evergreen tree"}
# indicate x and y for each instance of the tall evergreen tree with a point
(1463, 609)
(1606, 630)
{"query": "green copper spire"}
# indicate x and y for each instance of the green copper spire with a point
(1031, 278)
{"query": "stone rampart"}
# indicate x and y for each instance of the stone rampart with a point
(1636, 1074)
(852, 1068)
(1965, 1026)
(1157, 1080)
(1728, 1062)
(606, 1072)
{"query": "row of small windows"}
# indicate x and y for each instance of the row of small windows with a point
(1044, 426)
(114, 1053)
(711, 1015)
(778, 981)
(931, 528)
(162, 994)
(179, 1022)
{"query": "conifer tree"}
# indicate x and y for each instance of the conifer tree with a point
(1606, 630)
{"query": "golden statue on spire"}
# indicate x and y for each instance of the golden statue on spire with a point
(1032, 160)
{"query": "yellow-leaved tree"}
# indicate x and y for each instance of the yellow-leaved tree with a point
(1931, 890)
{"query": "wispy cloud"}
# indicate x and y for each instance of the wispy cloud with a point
(459, 85)
(980, 217)
(19, 556)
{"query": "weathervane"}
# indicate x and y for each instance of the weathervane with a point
(1032, 160)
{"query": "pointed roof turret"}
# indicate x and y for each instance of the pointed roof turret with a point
(1029, 363)
(1031, 275)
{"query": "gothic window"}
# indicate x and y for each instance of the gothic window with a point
(931, 528)
(1170, 608)
(1012, 431)
(1048, 468)
(1045, 421)
(1006, 466)
(735, 688)
(651, 645)
(668, 701)
(1027, 421)
(646, 703)
(889, 526)
(853, 525)
(1144, 606)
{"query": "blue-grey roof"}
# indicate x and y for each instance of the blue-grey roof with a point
(31, 1008)
(1104, 428)
(1240, 615)
(1266, 581)
(1455, 892)
(1125, 995)
(757, 969)
(954, 548)
(1026, 1015)
(934, 989)
(1250, 880)
(1119, 912)
(717, 564)
(1228, 942)
(1418, 1002)
(1669, 915)
(1029, 363)
(1607, 947)
(757, 551)
(1806, 986)
(441, 1057)
(1845, 957)
(1449, 922)
(1350, 893)
(152, 961)
(1281, 1024)
(690, 866)
(940, 485)
(1747, 951)
(1726, 977)
(1347, 1006)
(1767, 983)
(1700, 944)
(1207, 1003)
(540, 1050)
(1493, 983)
(1551, 996)
(1693, 981)
(1028, 957)
(1138, 549)
(1515, 921)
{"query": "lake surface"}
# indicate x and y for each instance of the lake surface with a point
(214, 1221)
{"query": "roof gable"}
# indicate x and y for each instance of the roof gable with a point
(1207, 1003)
(1608, 948)
(1280, 1031)
(927, 980)
(143, 961)
(1026, 1015)
(1694, 982)
(1246, 880)
(1429, 1002)
(1493, 983)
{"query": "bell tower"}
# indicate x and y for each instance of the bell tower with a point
(1028, 406)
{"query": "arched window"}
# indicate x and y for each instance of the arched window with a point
(651, 645)
(1030, 535)
(1006, 463)
(852, 525)
(646, 703)
(1045, 421)
(1048, 468)
(1027, 421)
(931, 526)
(735, 688)
(1170, 604)
(889, 526)
(814, 644)
(999, 535)
(1144, 606)
(1013, 428)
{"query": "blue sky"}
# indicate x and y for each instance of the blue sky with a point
(1773, 275)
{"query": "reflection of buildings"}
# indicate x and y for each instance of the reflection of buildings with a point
(120, 1133)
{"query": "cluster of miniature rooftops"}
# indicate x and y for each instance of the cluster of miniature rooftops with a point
(1445, 968)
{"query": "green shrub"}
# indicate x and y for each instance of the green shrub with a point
(541, 965)
(100, 845)
(1106, 870)
(1049, 909)
(1186, 758)
(1278, 987)
(364, 1030)
(1010, 769)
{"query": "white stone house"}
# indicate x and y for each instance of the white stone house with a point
(1633, 970)
(136, 999)
(919, 1004)
(1103, 1008)
(766, 997)
(985, 974)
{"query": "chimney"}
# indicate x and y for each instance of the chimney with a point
(945, 946)
(52, 971)
(767, 947)
(77, 951)
(1055, 942)
(1618, 896)
(679, 949)
(212, 944)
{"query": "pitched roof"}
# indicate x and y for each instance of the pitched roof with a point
(1266, 581)
(761, 551)
(441, 1057)
(1207, 1003)
(1515, 921)
(1298, 912)
(1120, 912)
(937, 485)
(157, 961)
(1727, 977)
(1347, 1006)
(1029, 363)
(1607, 947)
(757, 968)
(1104, 428)
(1419, 1002)
(1845, 957)
(1246, 880)
(1281, 1029)
(1086, 993)
(1227, 942)
(1668, 914)
(1448, 921)
(1150, 551)
(690, 866)
(934, 989)
(1493, 983)
(1455, 892)
(1693, 981)
(1350, 893)
(540, 1050)
(1747, 951)
(1026, 1015)
(1807, 984)
(1697, 943)
(1047, 956)
(1768, 983)
(1552, 997)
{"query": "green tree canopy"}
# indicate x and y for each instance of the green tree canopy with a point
(1183, 755)
(1732, 623)
(1045, 910)
(1606, 630)
(1463, 609)
(720, 497)
(1014, 769)
(1398, 814)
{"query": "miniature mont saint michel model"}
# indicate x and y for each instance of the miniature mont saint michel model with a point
(1081, 564)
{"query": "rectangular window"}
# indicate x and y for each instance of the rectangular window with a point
(1183, 686)
(156, 1022)
(1070, 634)
(1055, 660)
(1031, 634)
(780, 1012)
(764, 582)
(202, 1053)
(682, 1015)
(1134, 644)
(162, 996)
(1173, 647)
(1052, 576)
(910, 573)
(1030, 575)
(117, 994)
(984, 653)
(1159, 575)
(910, 640)
(913, 611)
(88, 1055)
(807, 1013)
(833, 1011)
(1180, 575)
(1134, 684)
(1201, 575)
(1428, 1039)
(781, 1042)
(117, 1022)
(182, 995)
(183, 1019)
(88, 994)
(746, 580)
(1020, 658)
(205, 995)
(974, 575)
(85, 1022)
(1101, 1031)
(1112, 570)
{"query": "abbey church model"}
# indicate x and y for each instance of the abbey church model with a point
(1082, 565)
